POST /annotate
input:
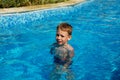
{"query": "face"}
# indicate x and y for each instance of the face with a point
(62, 37)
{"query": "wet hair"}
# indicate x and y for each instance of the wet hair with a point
(65, 27)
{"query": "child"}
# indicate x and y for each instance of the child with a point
(62, 51)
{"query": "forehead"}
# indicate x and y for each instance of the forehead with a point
(62, 32)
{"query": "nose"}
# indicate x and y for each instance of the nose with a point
(58, 37)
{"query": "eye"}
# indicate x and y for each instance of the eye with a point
(62, 36)
(57, 34)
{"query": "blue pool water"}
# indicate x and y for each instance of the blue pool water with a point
(25, 40)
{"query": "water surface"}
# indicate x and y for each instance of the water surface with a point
(25, 39)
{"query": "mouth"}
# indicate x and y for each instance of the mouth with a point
(59, 42)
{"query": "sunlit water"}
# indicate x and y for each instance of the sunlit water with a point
(25, 40)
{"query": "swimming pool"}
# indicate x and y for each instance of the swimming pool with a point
(25, 39)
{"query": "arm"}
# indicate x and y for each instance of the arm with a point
(52, 48)
(69, 58)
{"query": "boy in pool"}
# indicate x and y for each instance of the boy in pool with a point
(62, 51)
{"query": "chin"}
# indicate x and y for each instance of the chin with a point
(59, 43)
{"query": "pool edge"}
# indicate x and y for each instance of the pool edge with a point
(39, 7)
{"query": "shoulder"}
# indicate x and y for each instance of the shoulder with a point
(70, 48)
(54, 45)
(71, 51)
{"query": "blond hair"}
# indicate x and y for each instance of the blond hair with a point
(65, 27)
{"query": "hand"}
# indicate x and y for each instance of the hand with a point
(63, 59)
(64, 69)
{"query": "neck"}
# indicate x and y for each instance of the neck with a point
(62, 44)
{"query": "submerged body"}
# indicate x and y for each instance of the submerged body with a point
(62, 54)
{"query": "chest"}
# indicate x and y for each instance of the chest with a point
(61, 52)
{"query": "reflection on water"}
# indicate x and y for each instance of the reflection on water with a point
(62, 73)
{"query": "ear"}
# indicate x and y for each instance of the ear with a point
(69, 38)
